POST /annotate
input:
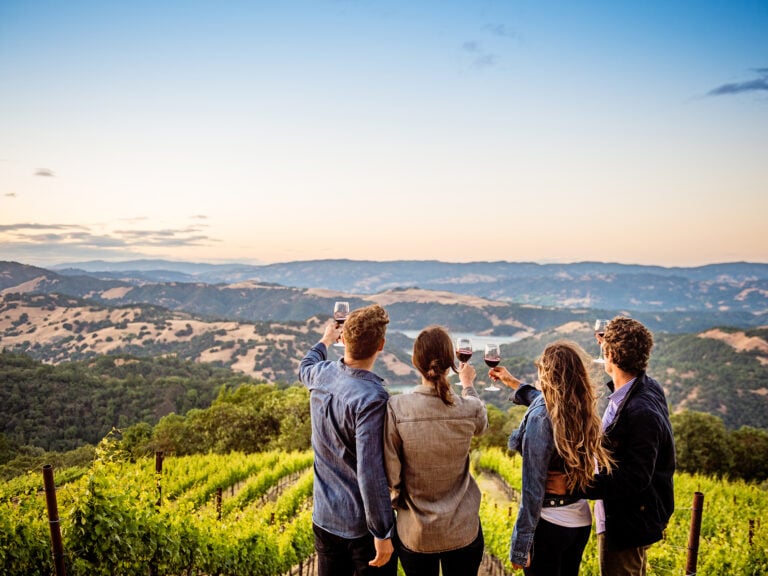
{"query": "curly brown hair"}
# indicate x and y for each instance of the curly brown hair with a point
(364, 331)
(629, 344)
(433, 357)
(571, 401)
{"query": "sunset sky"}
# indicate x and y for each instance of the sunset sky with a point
(632, 132)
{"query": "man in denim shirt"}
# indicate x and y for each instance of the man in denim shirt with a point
(352, 515)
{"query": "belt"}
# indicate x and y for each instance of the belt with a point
(554, 500)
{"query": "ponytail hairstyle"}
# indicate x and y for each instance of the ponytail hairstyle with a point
(572, 405)
(433, 356)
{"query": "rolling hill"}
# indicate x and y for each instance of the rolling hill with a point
(713, 361)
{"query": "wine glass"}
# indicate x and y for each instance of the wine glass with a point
(600, 325)
(492, 359)
(340, 313)
(463, 350)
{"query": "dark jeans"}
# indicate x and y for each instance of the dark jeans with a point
(557, 550)
(337, 556)
(629, 562)
(460, 562)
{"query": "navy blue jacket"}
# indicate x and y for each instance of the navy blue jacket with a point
(638, 494)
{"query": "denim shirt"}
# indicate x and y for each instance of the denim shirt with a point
(534, 440)
(348, 407)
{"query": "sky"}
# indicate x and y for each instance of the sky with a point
(262, 132)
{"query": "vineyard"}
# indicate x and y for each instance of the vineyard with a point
(242, 515)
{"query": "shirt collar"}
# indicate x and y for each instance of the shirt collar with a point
(618, 396)
(425, 389)
(360, 373)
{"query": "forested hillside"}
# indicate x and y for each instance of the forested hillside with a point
(722, 371)
(56, 329)
(53, 414)
(61, 407)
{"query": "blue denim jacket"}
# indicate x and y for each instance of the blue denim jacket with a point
(348, 409)
(534, 440)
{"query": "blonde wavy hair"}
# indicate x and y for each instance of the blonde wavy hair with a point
(572, 405)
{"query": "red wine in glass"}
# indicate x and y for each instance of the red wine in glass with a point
(340, 313)
(463, 355)
(463, 349)
(492, 359)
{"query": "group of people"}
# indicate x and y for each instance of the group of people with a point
(392, 474)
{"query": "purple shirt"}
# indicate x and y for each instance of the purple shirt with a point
(615, 400)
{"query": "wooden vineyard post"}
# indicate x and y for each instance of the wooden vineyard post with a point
(693, 534)
(53, 520)
(158, 474)
(158, 482)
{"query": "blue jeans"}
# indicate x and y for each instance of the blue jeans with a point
(337, 556)
(460, 562)
(557, 550)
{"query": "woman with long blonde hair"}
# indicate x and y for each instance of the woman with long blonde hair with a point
(560, 432)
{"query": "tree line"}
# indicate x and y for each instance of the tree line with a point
(56, 414)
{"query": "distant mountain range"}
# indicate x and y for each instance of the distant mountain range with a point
(493, 298)
(737, 286)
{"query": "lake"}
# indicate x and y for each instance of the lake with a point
(478, 341)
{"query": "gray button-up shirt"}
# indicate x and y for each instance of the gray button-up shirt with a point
(426, 451)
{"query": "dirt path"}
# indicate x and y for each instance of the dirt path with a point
(494, 487)
(496, 491)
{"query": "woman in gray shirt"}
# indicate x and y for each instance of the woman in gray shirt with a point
(427, 439)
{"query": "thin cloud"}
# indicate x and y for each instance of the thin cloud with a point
(481, 58)
(168, 237)
(45, 173)
(471, 46)
(759, 84)
(24, 236)
(35, 226)
(500, 30)
(485, 61)
(10, 194)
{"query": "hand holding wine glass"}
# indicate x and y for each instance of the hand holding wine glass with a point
(340, 313)
(501, 374)
(463, 353)
(600, 325)
(492, 359)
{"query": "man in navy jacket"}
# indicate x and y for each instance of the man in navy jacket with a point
(635, 501)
